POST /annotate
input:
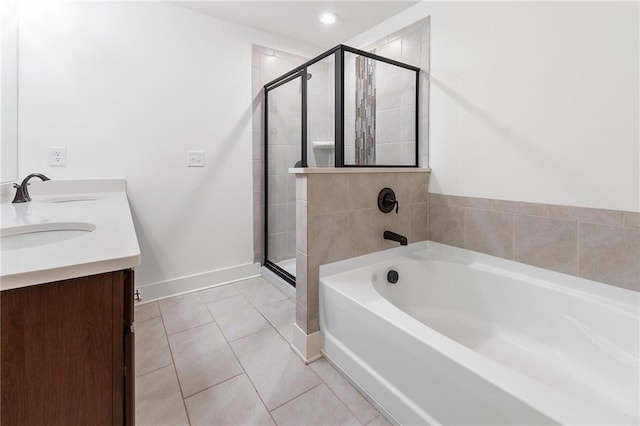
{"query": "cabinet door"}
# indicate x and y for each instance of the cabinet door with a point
(58, 357)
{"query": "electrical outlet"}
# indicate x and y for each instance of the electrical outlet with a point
(58, 156)
(195, 158)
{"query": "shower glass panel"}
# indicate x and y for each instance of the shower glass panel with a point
(321, 113)
(344, 108)
(380, 125)
(283, 151)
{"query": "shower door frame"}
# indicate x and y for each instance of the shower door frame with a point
(289, 77)
(301, 72)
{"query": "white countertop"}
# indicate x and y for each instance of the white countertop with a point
(112, 246)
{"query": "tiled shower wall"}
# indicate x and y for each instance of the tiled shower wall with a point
(338, 218)
(600, 245)
(395, 109)
(268, 64)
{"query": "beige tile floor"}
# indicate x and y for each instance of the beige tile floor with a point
(222, 357)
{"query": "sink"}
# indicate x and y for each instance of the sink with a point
(26, 236)
(69, 199)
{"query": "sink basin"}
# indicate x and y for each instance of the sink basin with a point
(20, 237)
(69, 199)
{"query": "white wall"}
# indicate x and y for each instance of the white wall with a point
(128, 88)
(533, 101)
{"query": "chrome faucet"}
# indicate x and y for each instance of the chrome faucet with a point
(22, 193)
(388, 235)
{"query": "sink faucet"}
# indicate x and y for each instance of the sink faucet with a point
(388, 235)
(22, 193)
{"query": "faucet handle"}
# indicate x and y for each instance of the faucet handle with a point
(387, 201)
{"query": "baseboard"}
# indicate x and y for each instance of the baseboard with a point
(306, 346)
(279, 283)
(190, 283)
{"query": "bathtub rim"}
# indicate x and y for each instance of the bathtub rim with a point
(555, 404)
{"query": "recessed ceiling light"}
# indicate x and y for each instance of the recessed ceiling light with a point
(328, 18)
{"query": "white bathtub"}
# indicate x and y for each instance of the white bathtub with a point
(466, 338)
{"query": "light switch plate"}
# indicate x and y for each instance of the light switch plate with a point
(195, 158)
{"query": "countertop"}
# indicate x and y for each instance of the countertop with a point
(112, 246)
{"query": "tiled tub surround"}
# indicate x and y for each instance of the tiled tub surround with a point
(221, 356)
(600, 245)
(338, 218)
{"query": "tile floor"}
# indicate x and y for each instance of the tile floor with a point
(222, 357)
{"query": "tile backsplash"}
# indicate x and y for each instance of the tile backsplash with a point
(597, 244)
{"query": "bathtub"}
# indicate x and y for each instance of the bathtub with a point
(467, 338)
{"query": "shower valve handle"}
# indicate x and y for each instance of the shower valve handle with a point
(387, 201)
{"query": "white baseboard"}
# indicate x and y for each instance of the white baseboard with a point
(190, 283)
(306, 346)
(279, 283)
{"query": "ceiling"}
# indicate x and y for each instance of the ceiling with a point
(299, 19)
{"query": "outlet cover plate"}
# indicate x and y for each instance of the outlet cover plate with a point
(58, 156)
(195, 158)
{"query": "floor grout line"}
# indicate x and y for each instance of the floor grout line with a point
(248, 377)
(299, 395)
(340, 399)
(175, 370)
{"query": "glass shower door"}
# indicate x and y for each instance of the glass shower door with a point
(283, 151)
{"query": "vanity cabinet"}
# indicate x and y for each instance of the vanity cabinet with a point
(67, 355)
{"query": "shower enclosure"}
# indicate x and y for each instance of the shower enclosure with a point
(344, 108)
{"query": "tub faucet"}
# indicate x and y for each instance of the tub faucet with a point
(388, 235)
(22, 193)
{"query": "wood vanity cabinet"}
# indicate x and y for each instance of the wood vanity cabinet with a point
(67, 355)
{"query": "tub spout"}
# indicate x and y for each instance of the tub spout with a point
(388, 235)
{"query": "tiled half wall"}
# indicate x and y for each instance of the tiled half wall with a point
(600, 245)
(338, 218)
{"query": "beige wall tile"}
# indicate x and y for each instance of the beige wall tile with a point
(301, 317)
(314, 325)
(583, 214)
(301, 187)
(631, 219)
(547, 243)
(328, 238)
(313, 300)
(301, 226)
(610, 254)
(532, 209)
(457, 201)
(327, 193)
(364, 188)
(489, 232)
(446, 224)
(418, 222)
(365, 231)
(399, 223)
(301, 277)
(412, 187)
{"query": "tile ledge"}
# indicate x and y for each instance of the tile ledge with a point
(337, 170)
